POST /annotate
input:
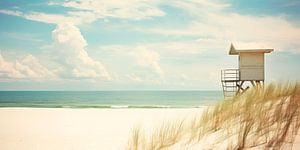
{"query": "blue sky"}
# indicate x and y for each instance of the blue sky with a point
(141, 45)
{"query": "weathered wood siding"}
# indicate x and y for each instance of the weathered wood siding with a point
(251, 66)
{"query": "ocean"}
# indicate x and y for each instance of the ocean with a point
(109, 99)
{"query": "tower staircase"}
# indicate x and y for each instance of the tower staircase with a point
(230, 79)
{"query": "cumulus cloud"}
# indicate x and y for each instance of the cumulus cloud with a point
(71, 45)
(28, 67)
(147, 58)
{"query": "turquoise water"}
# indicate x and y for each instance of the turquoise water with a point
(109, 99)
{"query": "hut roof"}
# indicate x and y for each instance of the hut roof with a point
(250, 49)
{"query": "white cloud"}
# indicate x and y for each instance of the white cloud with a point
(129, 9)
(52, 18)
(68, 39)
(70, 43)
(212, 22)
(44, 17)
(148, 58)
(178, 48)
(199, 7)
(152, 56)
(83, 17)
(134, 78)
(28, 67)
(85, 12)
(11, 12)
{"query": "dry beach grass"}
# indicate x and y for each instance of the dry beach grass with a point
(262, 118)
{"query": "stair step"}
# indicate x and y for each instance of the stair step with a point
(230, 80)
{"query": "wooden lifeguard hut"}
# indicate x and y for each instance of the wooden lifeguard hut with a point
(251, 69)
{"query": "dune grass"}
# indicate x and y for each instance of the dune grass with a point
(262, 118)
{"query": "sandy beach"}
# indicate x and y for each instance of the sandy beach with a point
(77, 129)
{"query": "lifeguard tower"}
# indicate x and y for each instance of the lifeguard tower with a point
(251, 69)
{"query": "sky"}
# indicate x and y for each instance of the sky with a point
(141, 45)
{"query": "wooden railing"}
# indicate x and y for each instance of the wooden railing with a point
(230, 75)
(230, 79)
